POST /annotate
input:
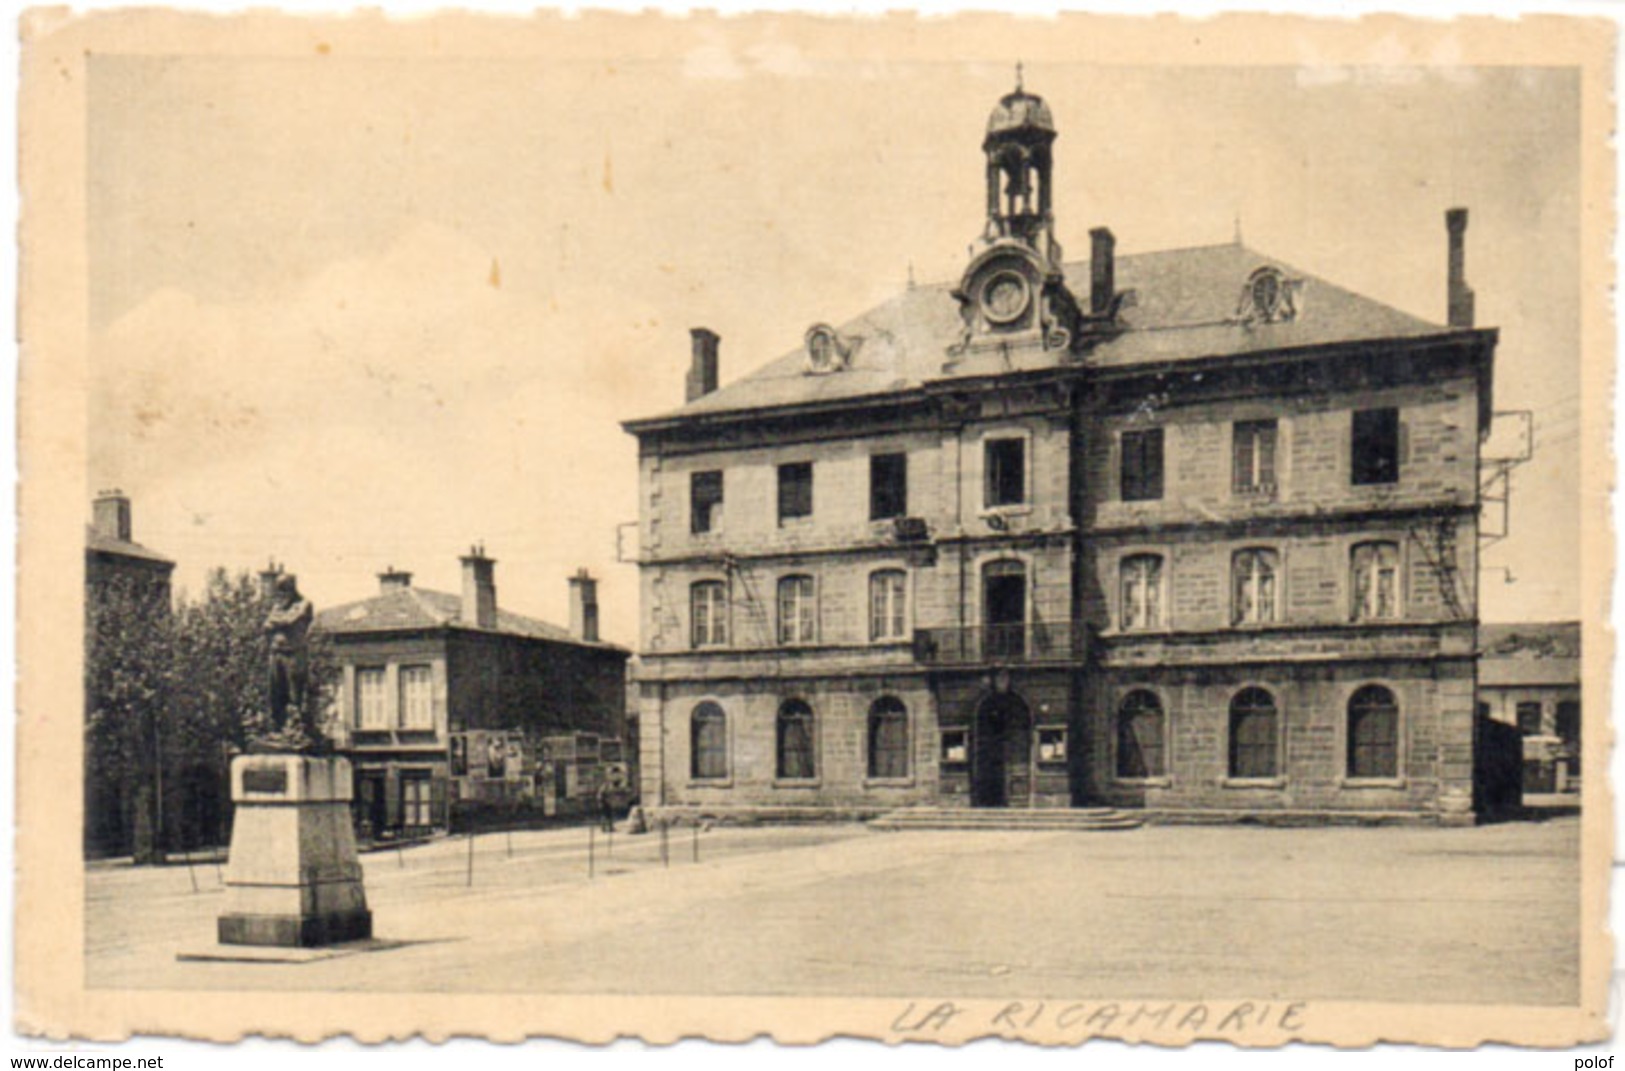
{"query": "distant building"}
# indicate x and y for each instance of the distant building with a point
(447, 697)
(127, 590)
(1529, 677)
(1190, 531)
(112, 554)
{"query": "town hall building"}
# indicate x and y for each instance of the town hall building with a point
(1192, 532)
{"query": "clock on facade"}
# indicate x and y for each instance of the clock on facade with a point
(1005, 297)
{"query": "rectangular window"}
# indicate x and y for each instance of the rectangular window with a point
(888, 486)
(887, 614)
(417, 698)
(1142, 465)
(417, 811)
(1141, 605)
(955, 747)
(798, 610)
(708, 614)
(1253, 574)
(1376, 581)
(371, 701)
(1005, 461)
(1568, 722)
(795, 490)
(704, 501)
(1529, 719)
(1052, 745)
(1253, 470)
(1374, 452)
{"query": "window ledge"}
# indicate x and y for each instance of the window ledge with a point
(710, 782)
(888, 782)
(1015, 509)
(1371, 782)
(1253, 782)
(797, 782)
(1145, 782)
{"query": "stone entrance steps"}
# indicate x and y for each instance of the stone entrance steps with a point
(1078, 819)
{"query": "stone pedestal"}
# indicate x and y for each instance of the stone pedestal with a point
(294, 880)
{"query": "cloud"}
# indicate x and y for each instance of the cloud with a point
(394, 407)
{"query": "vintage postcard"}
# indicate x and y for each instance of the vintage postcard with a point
(911, 529)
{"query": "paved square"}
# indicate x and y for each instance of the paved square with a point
(1487, 915)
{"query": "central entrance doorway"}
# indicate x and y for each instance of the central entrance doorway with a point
(1001, 739)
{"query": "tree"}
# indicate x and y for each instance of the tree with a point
(128, 646)
(221, 705)
(170, 698)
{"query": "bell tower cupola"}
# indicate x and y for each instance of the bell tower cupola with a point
(1020, 171)
(1013, 296)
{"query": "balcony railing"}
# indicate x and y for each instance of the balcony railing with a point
(999, 644)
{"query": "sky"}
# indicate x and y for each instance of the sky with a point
(353, 312)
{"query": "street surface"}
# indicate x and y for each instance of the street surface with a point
(1486, 915)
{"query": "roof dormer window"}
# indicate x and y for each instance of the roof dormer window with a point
(1268, 297)
(827, 350)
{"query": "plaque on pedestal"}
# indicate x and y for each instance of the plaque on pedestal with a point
(294, 880)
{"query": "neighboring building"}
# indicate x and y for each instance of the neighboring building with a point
(1529, 677)
(112, 554)
(127, 597)
(440, 691)
(1198, 536)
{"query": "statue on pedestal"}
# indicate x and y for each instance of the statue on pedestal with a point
(292, 720)
(294, 879)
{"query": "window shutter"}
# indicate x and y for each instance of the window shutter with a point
(1241, 460)
(1154, 463)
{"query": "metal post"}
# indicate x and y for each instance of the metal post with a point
(471, 858)
(1032, 762)
(190, 871)
(400, 855)
(592, 843)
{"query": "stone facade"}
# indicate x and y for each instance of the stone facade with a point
(1236, 541)
(432, 669)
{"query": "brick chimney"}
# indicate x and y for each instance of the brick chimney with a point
(1460, 311)
(584, 606)
(110, 515)
(702, 376)
(392, 579)
(1102, 271)
(479, 589)
(268, 578)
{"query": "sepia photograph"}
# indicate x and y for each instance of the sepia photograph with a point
(653, 527)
